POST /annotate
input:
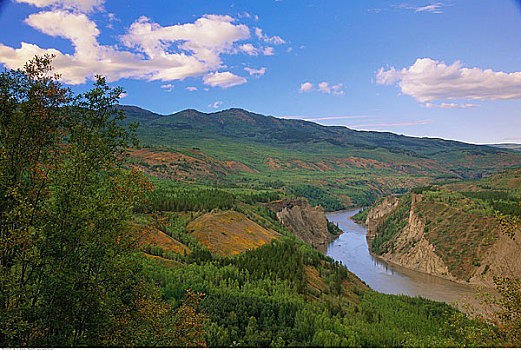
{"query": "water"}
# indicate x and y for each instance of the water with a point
(352, 250)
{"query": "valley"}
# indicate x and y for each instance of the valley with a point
(260, 174)
(234, 192)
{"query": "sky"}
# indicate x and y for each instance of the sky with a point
(442, 68)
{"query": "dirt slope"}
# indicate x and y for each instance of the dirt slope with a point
(229, 232)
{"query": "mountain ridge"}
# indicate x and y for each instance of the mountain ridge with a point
(314, 160)
(240, 112)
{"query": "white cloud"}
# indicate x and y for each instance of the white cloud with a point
(81, 31)
(191, 88)
(429, 80)
(268, 51)
(223, 79)
(256, 72)
(79, 5)
(205, 39)
(273, 40)
(159, 53)
(323, 87)
(335, 89)
(167, 87)
(432, 7)
(216, 104)
(249, 49)
(306, 87)
(451, 105)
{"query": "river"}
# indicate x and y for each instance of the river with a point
(351, 249)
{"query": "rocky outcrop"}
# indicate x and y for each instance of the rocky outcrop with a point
(377, 213)
(501, 260)
(410, 248)
(413, 248)
(304, 221)
(414, 251)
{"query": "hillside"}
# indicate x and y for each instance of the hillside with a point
(452, 230)
(283, 292)
(333, 166)
(228, 233)
(511, 146)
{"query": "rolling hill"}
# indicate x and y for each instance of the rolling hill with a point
(330, 165)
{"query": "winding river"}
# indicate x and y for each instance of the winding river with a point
(351, 249)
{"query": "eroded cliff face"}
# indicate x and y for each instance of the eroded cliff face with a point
(503, 259)
(410, 248)
(377, 213)
(495, 254)
(304, 221)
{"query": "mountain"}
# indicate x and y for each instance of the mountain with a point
(511, 146)
(336, 165)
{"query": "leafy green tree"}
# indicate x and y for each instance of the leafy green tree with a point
(70, 273)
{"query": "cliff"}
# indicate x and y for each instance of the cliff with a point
(377, 213)
(449, 241)
(410, 247)
(304, 221)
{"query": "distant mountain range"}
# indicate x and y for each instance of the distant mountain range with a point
(353, 165)
(510, 146)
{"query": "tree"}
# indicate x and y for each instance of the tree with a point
(69, 270)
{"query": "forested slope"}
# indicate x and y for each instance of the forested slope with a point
(336, 167)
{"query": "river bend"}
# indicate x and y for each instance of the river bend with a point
(351, 249)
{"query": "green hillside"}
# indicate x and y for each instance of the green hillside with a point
(333, 166)
(460, 220)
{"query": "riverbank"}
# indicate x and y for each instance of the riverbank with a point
(351, 249)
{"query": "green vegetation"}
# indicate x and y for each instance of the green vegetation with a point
(255, 300)
(316, 196)
(332, 166)
(69, 271)
(391, 226)
(361, 216)
(333, 228)
(462, 220)
(74, 219)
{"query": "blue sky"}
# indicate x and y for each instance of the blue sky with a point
(443, 68)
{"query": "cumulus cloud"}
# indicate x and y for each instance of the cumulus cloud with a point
(216, 104)
(191, 88)
(306, 87)
(199, 44)
(155, 52)
(273, 40)
(79, 5)
(256, 72)
(323, 87)
(167, 87)
(335, 89)
(81, 31)
(223, 79)
(268, 51)
(428, 80)
(249, 49)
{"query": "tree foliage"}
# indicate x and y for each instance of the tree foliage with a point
(68, 276)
